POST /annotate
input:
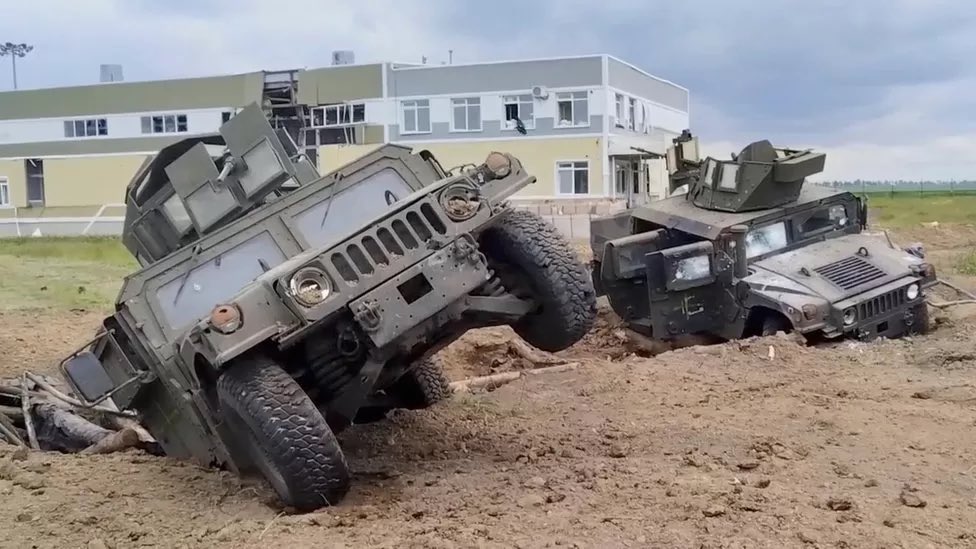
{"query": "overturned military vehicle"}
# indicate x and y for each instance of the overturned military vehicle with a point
(275, 307)
(750, 250)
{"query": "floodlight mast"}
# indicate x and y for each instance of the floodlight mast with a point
(15, 51)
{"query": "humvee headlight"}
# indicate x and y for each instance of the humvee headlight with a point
(850, 316)
(912, 292)
(310, 286)
(693, 268)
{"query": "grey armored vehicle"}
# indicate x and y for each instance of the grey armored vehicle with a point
(275, 307)
(750, 250)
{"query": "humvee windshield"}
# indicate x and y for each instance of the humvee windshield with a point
(766, 239)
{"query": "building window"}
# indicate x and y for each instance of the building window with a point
(164, 123)
(34, 169)
(620, 110)
(632, 114)
(4, 192)
(573, 109)
(574, 177)
(90, 127)
(467, 114)
(416, 116)
(518, 107)
(331, 116)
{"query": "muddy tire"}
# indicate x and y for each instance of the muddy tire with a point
(557, 279)
(423, 386)
(773, 323)
(920, 322)
(287, 437)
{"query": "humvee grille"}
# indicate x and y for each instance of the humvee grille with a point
(882, 304)
(850, 272)
(408, 230)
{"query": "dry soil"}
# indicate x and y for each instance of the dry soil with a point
(759, 443)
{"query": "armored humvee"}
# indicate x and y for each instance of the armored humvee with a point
(275, 307)
(750, 250)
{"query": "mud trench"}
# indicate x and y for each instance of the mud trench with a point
(729, 445)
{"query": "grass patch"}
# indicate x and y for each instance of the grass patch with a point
(62, 273)
(967, 264)
(900, 211)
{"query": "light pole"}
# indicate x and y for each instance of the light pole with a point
(15, 51)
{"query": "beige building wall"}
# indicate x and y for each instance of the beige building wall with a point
(539, 156)
(88, 181)
(13, 170)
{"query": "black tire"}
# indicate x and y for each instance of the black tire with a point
(774, 322)
(286, 435)
(423, 386)
(557, 279)
(920, 320)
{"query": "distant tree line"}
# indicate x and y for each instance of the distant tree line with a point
(888, 185)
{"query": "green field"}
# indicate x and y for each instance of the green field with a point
(66, 273)
(910, 209)
(85, 273)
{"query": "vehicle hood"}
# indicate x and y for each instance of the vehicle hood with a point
(833, 269)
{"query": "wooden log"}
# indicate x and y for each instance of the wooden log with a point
(497, 380)
(48, 388)
(12, 412)
(9, 432)
(534, 356)
(25, 406)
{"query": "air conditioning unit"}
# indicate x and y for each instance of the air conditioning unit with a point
(540, 92)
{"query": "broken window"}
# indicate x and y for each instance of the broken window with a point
(338, 115)
(518, 107)
(620, 110)
(165, 123)
(573, 109)
(467, 114)
(86, 128)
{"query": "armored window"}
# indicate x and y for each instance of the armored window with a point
(709, 176)
(573, 177)
(466, 114)
(763, 240)
(4, 192)
(518, 107)
(573, 109)
(823, 220)
(416, 116)
(727, 182)
(177, 214)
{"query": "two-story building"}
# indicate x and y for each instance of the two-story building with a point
(590, 128)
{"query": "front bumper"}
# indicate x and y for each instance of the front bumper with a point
(885, 311)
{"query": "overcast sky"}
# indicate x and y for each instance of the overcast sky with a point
(887, 88)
